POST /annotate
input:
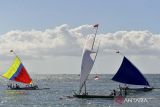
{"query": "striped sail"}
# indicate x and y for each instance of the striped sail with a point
(17, 72)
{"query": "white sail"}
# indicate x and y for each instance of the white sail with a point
(88, 59)
(89, 43)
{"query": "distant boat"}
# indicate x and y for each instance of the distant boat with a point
(88, 59)
(18, 73)
(130, 74)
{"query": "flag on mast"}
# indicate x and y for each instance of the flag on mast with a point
(96, 25)
(117, 52)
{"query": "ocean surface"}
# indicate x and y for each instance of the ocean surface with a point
(62, 86)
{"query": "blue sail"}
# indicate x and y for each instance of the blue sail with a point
(129, 74)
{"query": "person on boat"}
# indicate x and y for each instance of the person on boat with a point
(120, 93)
(17, 86)
(31, 85)
(10, 85)
(126, 86)
(85, 93)
(13, 86)
(113, 93)
(36, 87)
(125, 91)
(120, 90)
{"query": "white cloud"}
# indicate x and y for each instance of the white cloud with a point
(132, 42)
(64, 41)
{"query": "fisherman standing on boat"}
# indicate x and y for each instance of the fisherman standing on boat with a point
(114, 92)
(125, 91)
(120, 90)
(17, 86)
(85, 93)
(9, 85)
(36, 86)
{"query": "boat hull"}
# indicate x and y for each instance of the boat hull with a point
(139, 89)
(93, 96)
(24, 88)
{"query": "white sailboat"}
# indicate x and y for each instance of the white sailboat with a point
(88, 59)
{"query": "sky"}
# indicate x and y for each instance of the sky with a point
(49, 35)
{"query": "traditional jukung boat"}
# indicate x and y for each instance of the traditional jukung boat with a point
(129, 74)
(11, 87)
(18, 73)
(94, 96)
(88, 59)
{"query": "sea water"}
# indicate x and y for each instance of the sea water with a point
(62, 86)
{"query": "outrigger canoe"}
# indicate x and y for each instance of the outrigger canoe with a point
(94, 96)
(17, 72)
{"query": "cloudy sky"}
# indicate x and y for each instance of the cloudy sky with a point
(49, 35)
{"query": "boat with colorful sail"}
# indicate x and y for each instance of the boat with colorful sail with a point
(18, 73)
(129, 74)
(88, 59)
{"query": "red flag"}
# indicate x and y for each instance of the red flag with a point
(96, 25)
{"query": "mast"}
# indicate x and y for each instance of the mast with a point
(15, 54)
(95, 26)
(97, 51)
(85, 90)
